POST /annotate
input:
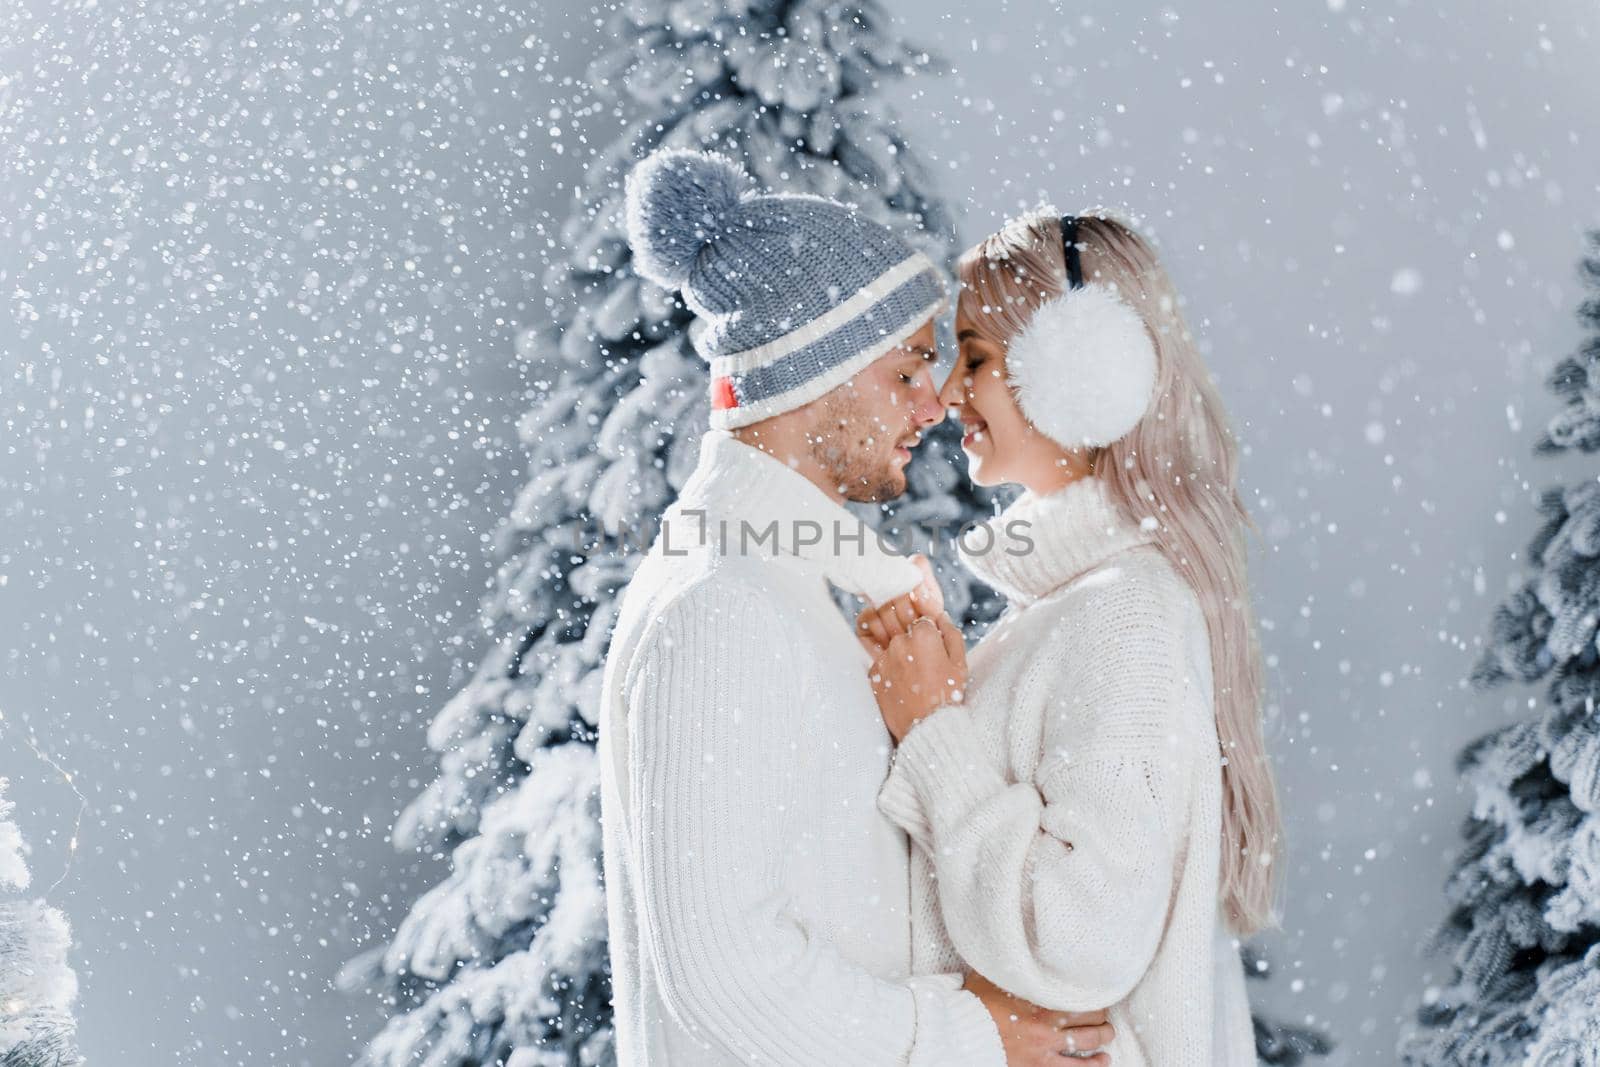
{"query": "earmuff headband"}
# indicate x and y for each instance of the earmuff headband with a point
(1069, 251)
(1084, 366)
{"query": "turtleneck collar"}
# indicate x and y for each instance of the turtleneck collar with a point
(735, 482)
(1071, 530)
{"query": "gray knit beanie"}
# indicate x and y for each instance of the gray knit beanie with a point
(795, 293)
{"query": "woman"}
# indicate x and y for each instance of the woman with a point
(1094, 815)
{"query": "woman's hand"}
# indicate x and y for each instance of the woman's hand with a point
(878, 624)
(920, 671)
(1028, 1031)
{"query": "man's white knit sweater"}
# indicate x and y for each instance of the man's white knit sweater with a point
(1068, 815)
(757, 899)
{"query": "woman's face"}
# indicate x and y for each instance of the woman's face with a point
(1000, 443)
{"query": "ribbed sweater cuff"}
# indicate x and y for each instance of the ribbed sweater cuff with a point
(954, 1029)
(938, 773)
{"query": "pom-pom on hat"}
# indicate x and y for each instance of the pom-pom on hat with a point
(795, 293)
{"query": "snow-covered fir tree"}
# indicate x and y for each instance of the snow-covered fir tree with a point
(1524, 922)
(1280, 1044)
(505, 961)
(37, 986)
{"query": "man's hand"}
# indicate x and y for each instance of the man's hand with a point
(920, 671)
(1035, 1036)
(929, 596)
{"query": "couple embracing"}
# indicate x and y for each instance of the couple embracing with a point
(835, 844)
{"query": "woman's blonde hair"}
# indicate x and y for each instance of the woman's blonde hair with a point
(1179, 465)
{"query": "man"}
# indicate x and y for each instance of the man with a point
(757, 899)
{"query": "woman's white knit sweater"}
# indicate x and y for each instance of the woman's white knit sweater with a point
(1068, 816)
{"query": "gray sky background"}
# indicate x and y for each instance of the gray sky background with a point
(263, 274)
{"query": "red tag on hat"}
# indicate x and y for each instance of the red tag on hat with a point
(722, 397)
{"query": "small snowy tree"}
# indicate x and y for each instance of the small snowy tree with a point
(505, 962)
(37, 987)
(1524, 923)
(1281, 1044)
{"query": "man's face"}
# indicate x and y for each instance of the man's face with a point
(864, 430)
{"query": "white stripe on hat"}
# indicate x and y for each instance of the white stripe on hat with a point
(835, 376)
(860, 302)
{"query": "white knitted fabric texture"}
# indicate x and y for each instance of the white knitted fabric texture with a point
(1067, 817)
(756, 897)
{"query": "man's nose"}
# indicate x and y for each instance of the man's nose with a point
(954, 389)
(930, 409)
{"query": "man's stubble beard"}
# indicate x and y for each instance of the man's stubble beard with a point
(841, 448)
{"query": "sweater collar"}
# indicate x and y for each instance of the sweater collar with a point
(1071, 530)
(734, 482)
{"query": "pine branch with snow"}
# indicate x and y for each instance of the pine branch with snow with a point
(1524, 919)
(1280, 1044)
(37, 986)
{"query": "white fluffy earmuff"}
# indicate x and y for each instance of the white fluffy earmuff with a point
(1084, 368)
